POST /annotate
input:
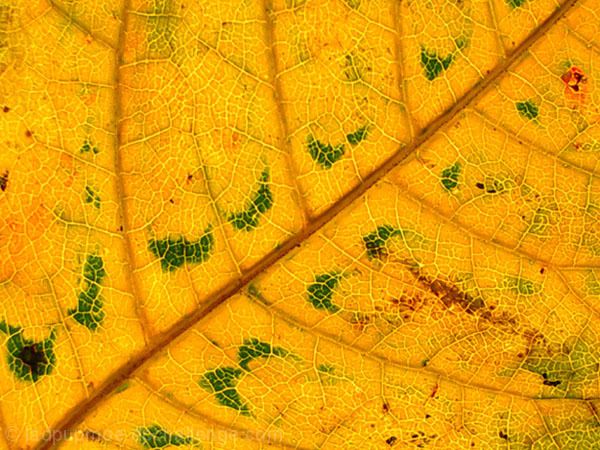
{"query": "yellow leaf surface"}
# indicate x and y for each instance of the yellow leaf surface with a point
(336, 224)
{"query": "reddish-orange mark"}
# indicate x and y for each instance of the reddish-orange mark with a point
(435, 390)
(575, 89)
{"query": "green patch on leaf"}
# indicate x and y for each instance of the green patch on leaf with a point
(89, 311)
(566, 368)
(321, 291)
(433, 64)
(521, 286)
(28, 360)
(89, 147)
(449, 178)
(515, 3)
(261, 202)
(156, 436)
(162, 22)
(324, 154)
(358, 136)
(222, 383)
(174, 252)
(253, 348)
(92, 197)
(528, 109)
(376, 243)
(354, 4)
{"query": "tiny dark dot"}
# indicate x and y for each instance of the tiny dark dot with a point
(391, 440)
(542, 270)
(28, 133)
(6, 109)
(479, 185)
(427, 416)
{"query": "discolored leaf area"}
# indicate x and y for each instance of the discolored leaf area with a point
(333, 224)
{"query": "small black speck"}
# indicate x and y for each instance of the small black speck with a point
(28, 133)
(6, 109)
(503, 435)
(427, 416)
(479, 185)
(542, 270)
(391, 440)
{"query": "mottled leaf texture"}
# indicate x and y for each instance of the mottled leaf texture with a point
(300, 224)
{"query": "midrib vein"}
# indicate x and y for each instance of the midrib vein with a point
(79, 412)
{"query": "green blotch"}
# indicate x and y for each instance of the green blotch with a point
(522, 286)
(376, 242)
(325, 155)
(28, 360)
(358, 136)
(449, 177)
(222, 382)
(174, 252)
(261, 202)
(566, 368)
(354, 4)
(253, 348)
(321, 291)
(92, 197)
(156, 436)
(122, 388)
(89, 147)
(515, 3)
(326, 369)
(576, 435)
(433, 64)
(162, 22)
(89, 311)
(528, 109)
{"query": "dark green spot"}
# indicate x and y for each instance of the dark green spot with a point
(521, 285)
(261, 202)
(222, 382)
(88, 147)
(156, 436)
(92, 197)
(326, 369)
(528, 109)
(174, 252)
(515, 3)
(89, 311)
(449, 177)
(375, 242)
(321, 291)
(324, 155)
(28, 360)
(433, 64)
(358, 136)
(253, 348)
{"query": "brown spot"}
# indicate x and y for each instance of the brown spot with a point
(542, 270)
(6, 109)
(28, 133)
(386, 407)
(391, 440)
(4, 180)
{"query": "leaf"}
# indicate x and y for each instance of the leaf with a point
(299, 224)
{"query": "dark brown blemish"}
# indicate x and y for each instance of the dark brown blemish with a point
(4, 180)
(503, 435)
(6, 109)
(391, 440)
(386, 407)
(28, 133)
